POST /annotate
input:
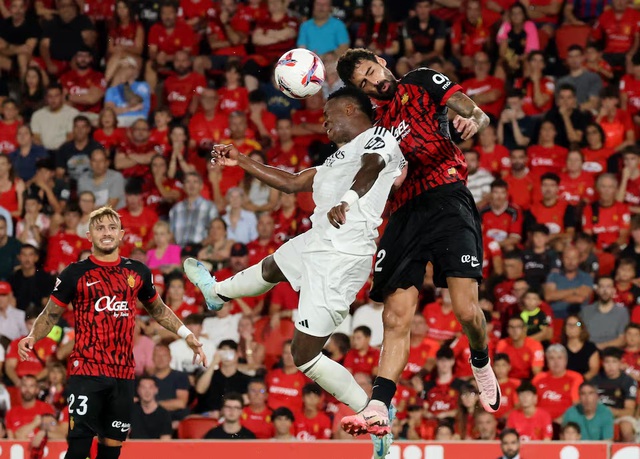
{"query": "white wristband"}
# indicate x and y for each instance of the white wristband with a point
(350, 197)
(183, 332)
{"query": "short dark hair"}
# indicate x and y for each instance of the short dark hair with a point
(567, 87)
(233, 396)
(575, 48)
(550, 176)
(54, 85)
(356, 95)
(312, 388)
(571, 425)
(502, 356)
(133, 186)
(445, 352)
(632, 325)
(366, 331)
(348, 62)
(342, 341)
(532, 54)
(540, 228)
(193, 319)
(588, 384)
(612, 351)
(228, 343)
(516, 317)
(148, 378)
(509, 431)
(30, 246)
(499, 183)
(82, 118)
(526, 386)
(282, 412)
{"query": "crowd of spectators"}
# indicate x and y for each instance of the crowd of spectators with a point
(118, 103)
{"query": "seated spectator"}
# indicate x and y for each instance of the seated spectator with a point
(486, 425)
(362, 358)
(231, 427)
(161, 192)
(32, 92)
(538, 89)
(445, 432)
(222, 327)
(631, 356)
(283, 420)
(233, 96)
(126, 39)
(596, 154)
(19, 34)
(521, 182)
(586, 83)
(216, 247)
(615, 121)
(604, 320)
(558, 387)
(619, 41)
(569, 120)
(176, 300)
(515, 126)
(173, 386)
(440, 318)
(32, 286)
(570, 289)
(576, 184)
(208, 125)
(369, 315)
(180, 360)
(478, 179)
(241, 223)
(143, 347)
(9, 123)
(494, 157)
(571, 432)
(422, 350)
(441, 392)
(9, 249)
(525, 354)
(26, 154)
(63, 35)
(134, 156)
(108, 134)
(310, 423)
(106, 184)
(165, 38)
(378, 33)
(285, 383)
(24, 421)
(484, 89)
(618, 391)
(417, 427)
(265, 244)
(594, 418)
(190, 218)
(547, 156)
(607, 219)
(221, 377)
(539, 260)
(53, 124)
(261, 197)
(86, 202)
(583, 356)
(261, 120)
(529, 420)
(629, 189)
(500, 221)
(34, 224)
(136, 217)
(149, 420)
(538, 323)
(130, 99)
(590, 261)
(627, 293)
(12, 197)
(508, 386)
(74, 158)
(630, 92)
(516, 38)
(239, 261)
(468, 36)
(182, 88)
(256, 416)
(84, 87)
(165, 256)
(251, 354)
(501, 291)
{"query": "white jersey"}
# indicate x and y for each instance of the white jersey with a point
(335, 177)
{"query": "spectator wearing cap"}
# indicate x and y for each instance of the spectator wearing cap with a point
(130, 99)
(84, 87)
(73, 158)
(231, 427)
(604, 319)
(148, 419)
(53, 124)
(282, 419)
(53, 193)
(323, 33)
(629, 189)
(594, 418)
(241, 224)
(586, 83)
(479, 180)
(106, 184)
(311, 423)
(137, 218)
(530, 421)
(12, 319)
(618, 391)
(33, 226)
(515, 127)
(30, 286)
(27, 154)
(191, 217)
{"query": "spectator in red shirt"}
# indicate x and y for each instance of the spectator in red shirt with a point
(627, 293)
(165, 39)
(576, 184)
(538, 89)
(311, 423)
(617, 29)
(233, 96)
(84, 87)
(530, 421)
(378, 33)
(290, 219)
(631, 356)
(494, 157)
(441, 321)
(508, 386)
(134, 156)
(615, 121)
(308, 123)
(520, 181)
(126, 38)
(64, 247)
(285, 383)
(175, 298)
(596, 155)
(9, 125)
(283, 420)
(287, 153)
(256, 416)
(182, 89)
(525, 354)
(362, 358)
(265, 244)
(552, 211)
(469, 36)
(484, 89)
(23, 421)
(607, 220)
(595, 63)
(630, 92)
(262, 121)
(422, 350)
(108, 134)
(629, 189)
(161, 192)
(208, 126)
(547, 155)
(441, 392)
(500, 221)
(137, 219)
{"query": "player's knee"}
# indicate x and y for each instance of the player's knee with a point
(396, 320)
(78, 448)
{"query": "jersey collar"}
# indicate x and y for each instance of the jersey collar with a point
(104, 263)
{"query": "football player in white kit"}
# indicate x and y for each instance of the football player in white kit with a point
(330, 263)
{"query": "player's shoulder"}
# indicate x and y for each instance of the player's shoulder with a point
(134, 265)
(422, 76)
(377, 138)
(77, 268)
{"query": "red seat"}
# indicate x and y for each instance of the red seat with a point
(569, 35)
(196, 427)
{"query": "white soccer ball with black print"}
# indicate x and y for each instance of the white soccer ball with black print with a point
(299, 73)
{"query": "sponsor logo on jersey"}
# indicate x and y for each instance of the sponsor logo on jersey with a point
(131, 281)
(375, 143)
(111, 304)
(123, 426)
(471, 259)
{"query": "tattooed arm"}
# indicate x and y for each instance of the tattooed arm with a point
(471, 119)
(41, 327)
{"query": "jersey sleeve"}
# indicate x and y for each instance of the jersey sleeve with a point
(147, 292)
(538, 354)
(380, 141)
(64, 290)
(439, 86)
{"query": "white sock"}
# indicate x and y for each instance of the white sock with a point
(246, 283)
(336, 379)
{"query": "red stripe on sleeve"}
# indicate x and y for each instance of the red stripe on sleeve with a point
(453, 89)
(58, 302)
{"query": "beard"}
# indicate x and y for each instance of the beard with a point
(106, 250)
(390, 92)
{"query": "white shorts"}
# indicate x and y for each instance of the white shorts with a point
(328, 281)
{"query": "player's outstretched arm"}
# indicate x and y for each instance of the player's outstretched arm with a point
(276, 178)
(165, 316)
(41, 328)
(471, 119)
(372, 165)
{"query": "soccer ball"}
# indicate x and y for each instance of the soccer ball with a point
(299, 73)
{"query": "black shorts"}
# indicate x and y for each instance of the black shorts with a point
(100, 406)
(441, 226)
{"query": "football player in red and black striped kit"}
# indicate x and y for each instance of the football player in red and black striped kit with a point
(103, 290)
(433, 219)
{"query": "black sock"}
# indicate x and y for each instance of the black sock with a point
(383, 390)
(224, 298)
(108, 452)
(479, 358)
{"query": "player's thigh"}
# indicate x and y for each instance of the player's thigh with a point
(87, 398)
(401, 260)
(456, 239)
(330, 283)
(117, 413)
(288, 257)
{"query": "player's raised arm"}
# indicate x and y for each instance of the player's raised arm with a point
(47, 319)
(281, 180)
(471, 119)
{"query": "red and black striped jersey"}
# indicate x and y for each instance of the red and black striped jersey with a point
(417, 116)
(104, 304)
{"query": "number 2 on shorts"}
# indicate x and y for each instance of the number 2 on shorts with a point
(381, 254)
(82, 404)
